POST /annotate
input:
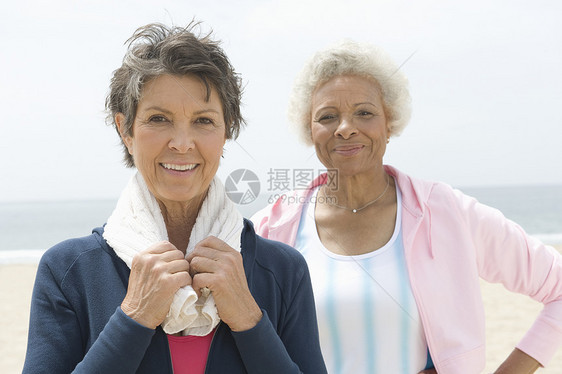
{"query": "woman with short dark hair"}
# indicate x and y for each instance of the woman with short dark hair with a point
(176, 281)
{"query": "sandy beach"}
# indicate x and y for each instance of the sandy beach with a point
(508, 317)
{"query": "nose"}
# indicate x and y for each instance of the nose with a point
(182, 139)
(345, 129)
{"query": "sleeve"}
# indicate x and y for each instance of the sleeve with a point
(293, 349)
(506, 254)
(55, 341)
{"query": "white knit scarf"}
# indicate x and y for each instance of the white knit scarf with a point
(137, 223)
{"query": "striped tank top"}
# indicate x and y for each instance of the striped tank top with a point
(368, 319)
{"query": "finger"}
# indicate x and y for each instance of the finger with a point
(202, 280)
(216, 243)
(160, 247)
(204, 251)
(180, 279)
(177, 266)
(202, 265)
(211, 247)
(171, 255)
(149, 260)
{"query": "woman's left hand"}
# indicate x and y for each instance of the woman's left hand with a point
(217, 266)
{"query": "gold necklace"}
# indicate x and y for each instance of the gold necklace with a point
(364, 206)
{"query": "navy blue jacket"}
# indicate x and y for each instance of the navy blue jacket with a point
(77, 325)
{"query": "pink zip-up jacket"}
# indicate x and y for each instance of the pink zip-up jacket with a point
(450, 242)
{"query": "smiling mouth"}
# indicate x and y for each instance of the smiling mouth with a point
(348, 150)
(179, 167)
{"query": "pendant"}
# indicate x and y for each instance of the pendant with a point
(354, 210)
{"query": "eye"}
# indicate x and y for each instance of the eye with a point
(157, 119)
(204, 121)
(364, 113)
(326, 118)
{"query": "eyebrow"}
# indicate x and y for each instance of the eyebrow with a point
(206, 111)
(366, 102)
(160, 109)
(354, 105)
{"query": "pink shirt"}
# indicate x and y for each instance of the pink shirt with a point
(189, 353)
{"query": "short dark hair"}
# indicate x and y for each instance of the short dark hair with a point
(156, 49)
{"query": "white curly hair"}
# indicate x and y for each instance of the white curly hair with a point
(350, 58)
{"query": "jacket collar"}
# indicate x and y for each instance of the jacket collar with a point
(415, 193)
(415, 204)
(286, 211)
(248, 244)
(414, 196)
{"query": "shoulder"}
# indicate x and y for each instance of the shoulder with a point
(286, 209)
(277, 273)
(84, 251)
(453, 199)
(279, 209)
(272, 252)
(276, 257)
(449, 205)
(417, 191)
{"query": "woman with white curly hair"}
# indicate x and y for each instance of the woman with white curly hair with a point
(396, 261)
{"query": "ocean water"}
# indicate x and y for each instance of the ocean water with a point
(538, 209)
(29, 228)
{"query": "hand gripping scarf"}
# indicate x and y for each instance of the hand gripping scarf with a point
(137, 223)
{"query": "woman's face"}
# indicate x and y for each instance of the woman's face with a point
(177, 138)
(349, 127)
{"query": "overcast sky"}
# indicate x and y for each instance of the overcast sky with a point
(485, 81)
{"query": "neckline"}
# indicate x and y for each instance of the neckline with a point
(309, 215)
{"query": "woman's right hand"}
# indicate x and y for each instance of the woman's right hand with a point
(156, 274)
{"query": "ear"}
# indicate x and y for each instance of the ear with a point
(127, 139)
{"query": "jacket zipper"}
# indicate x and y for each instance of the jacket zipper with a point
(169, 353)
(211, 346)
(171, 362)
(421, 310)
